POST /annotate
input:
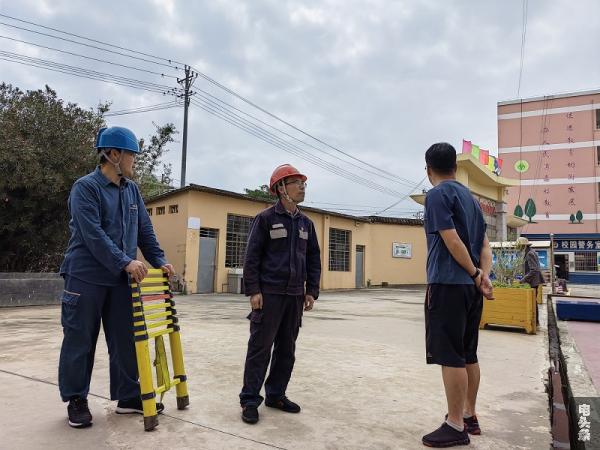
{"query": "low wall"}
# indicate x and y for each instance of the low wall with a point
(29, 289)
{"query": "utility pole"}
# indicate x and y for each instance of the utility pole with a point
(187, 84)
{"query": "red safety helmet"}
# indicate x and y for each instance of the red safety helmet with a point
(282, 172)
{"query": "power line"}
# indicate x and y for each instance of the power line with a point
(87, 73)
(235, 94)
(89, 57)
(287, 147)
(77, 71)
(402, 199)
(523, 38)
(88, 45)
(265, 137)
(396, 179)
(144, 109)
(206, 77)
(91, 40)
(303, 151)
(343, 204)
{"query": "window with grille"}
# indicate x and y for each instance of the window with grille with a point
(173, 209)
(149, 211)
(209, 232)
(339, 250)
(160, 210)
(238, 228)
(586, 261)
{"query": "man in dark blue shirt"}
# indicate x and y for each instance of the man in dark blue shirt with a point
(459, 260)
(282, 270)
(108, 223)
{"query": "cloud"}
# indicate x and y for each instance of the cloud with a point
(379, 80)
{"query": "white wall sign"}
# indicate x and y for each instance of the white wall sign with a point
(401, 250)
(193, 223)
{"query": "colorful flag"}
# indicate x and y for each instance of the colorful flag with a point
(484, 156)
(475, 151)
(498, 168)
(491, 163)
(466, 146)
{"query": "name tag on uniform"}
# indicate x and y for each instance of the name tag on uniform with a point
(277, 225)
(303, 234)
(278, 233)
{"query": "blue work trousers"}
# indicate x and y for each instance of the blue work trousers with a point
(84, 306)
(276, 327)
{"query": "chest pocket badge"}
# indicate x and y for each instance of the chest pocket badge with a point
(303, 234)
(278, 233)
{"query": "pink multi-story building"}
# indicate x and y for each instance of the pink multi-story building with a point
(552, 145)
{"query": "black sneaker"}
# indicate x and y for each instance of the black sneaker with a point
(134, 406)
(79, 413)
(471, 425)
(446, 436)
(250, 414)
(283, 404)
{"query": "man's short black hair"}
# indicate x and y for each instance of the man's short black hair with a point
(441, 157)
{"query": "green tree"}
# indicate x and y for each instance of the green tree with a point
(262, 193)
(45, 145)
(572, 218)
(530, 209)
(579, 216)
(153, 176)
(518, 211)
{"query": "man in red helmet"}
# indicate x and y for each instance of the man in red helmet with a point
(282, 270)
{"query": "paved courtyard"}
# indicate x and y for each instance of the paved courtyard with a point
(360, 377)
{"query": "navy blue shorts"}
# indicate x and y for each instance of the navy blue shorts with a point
(452, 316)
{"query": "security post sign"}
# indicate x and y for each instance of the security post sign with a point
(401, 250)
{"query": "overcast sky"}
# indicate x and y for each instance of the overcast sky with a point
(380, 79)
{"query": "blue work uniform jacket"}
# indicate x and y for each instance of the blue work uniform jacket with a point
(282, 254)
(108, 224)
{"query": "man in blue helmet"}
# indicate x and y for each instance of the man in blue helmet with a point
(108, 223)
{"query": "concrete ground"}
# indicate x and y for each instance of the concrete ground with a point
(360, 377)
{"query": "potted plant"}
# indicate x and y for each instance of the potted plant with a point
(514, 302)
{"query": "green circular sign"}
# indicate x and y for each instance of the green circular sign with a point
(521, 166)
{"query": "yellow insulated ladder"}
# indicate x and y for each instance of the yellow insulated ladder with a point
(154, 316)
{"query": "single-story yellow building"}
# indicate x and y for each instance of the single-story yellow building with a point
(203, 232)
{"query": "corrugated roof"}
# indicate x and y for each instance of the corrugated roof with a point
(396, 220)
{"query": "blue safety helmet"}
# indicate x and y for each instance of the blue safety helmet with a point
(117, 137)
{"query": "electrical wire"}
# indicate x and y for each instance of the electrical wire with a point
(209, 97)
(144, 109)
(523, 38)
(90, 39)
(170, 62)
(87, 73)
(88, 45)
(286, 146)
(402, 199)
(88, 57)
